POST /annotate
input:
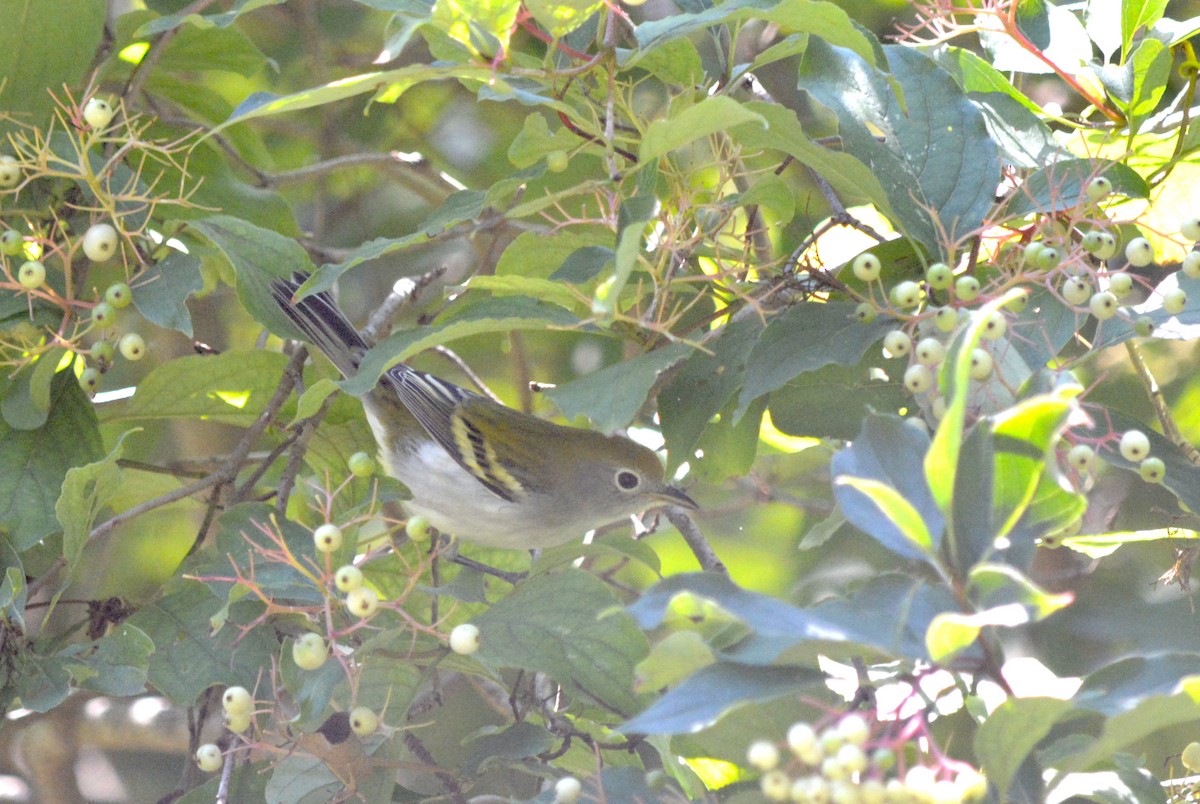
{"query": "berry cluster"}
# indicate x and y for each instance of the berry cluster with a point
(843, 762)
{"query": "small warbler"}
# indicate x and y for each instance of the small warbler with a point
(479, 470)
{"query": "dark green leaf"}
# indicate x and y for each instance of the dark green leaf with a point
(612, 396)
(162, 292)
(1062, 186)
(33, 463)
(935, 158)
(518, 742)
(1010, 734)
(564, 624)
(118, 663)
(891, 453)
(86, 491)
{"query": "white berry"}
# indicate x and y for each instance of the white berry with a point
(237, 700)
(309, 651)
(994, 327)
(131, 346)
(1077, 291)
(1191, 265)
(327, 538)
(98, 113)
(10, 171)
(567, 790)
(100, 242)
(1098, 188)
(918, 379)
(1120, 284)
(762, 755)
(1135, 446)
(1152, 469)
(464, 639)
(1190, 229)
(362, 602)
(897, 343)
(906, 294)
(1139, 252)
(867, 267)
(981, 364)
(364, 721)
(929, 351)
(939, 276)
(348, 578)
(31, 275)
(1081, 457)
(1103, 305)
(966, 288)
(1174, 300)
(208, 758)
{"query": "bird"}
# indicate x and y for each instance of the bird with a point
(478, 470)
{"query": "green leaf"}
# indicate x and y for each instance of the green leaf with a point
(1140, 695)
(188, 657)
(677, 656)
(563, 624)
(536, 140)
(699, 701)
(632, 217)
(162, 292)
(118, 663)
(710, 115)
(1010, 734)
(483, 26)
(702, 387)
(1064, 41)
(936, 161)
(994, 585)
(976, 75)
(220, 19)
(518, 742)
(26, 403)
(86, 491)
(231, 387)
(879, 484)
(46, 48)
(40, 682)
(804, 338)
(831, 402)
(611, 397)
(514, 285)
(33, 463)
(560, 17)
(825, 19)
(258, 256)
(1136, 15)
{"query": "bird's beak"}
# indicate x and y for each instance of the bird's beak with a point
(673, 496)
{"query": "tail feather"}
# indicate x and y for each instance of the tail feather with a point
(322, 322)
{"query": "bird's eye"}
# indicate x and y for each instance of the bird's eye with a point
(628, 480)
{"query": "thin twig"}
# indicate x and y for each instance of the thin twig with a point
(709, 562)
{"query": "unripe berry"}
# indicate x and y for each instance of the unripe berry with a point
(906, 295)
(309, 651)
(348, 578)
(418, 528)
(361, 464)
(1190, 229)
(1048, 258)
(852, 758)
(1174, 300)
(945, 319)
(1120, 284)
(1101, 245)
(872, 791)
(1103, 305)
(994, 327)
(1033, 251)
(929, 351)
(10, 172)
(1081, 457)
(865, 312)
(801, 738)
(1018, 303)
(1152, 469)
(464, 639)
(970, 785)
(118, 295)
(100, 242)
(363, 721)
(103, 352)
(1139, 252)
(897, 343)
(854, 730)
(966, 288)
(362, 602)
(131, 346)
(1143, 325)
(1191, 757)
(208, 758)
(776, 786)
(327, 538)
(103, 314)
(237, 700)
(557, 161)
(1134, 446)
(238, 722)
(981, 365)
(1098, 188)
(866, 267)
(833, 770)
(567, 790)
(939, 276)
(762, 755)
(1077, 290)
(883, 758)
(11, 242)
(98, 113)
(31, 275)
(89, 379)
(1191, 265)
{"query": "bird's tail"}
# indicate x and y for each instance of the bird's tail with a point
(322, 322)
